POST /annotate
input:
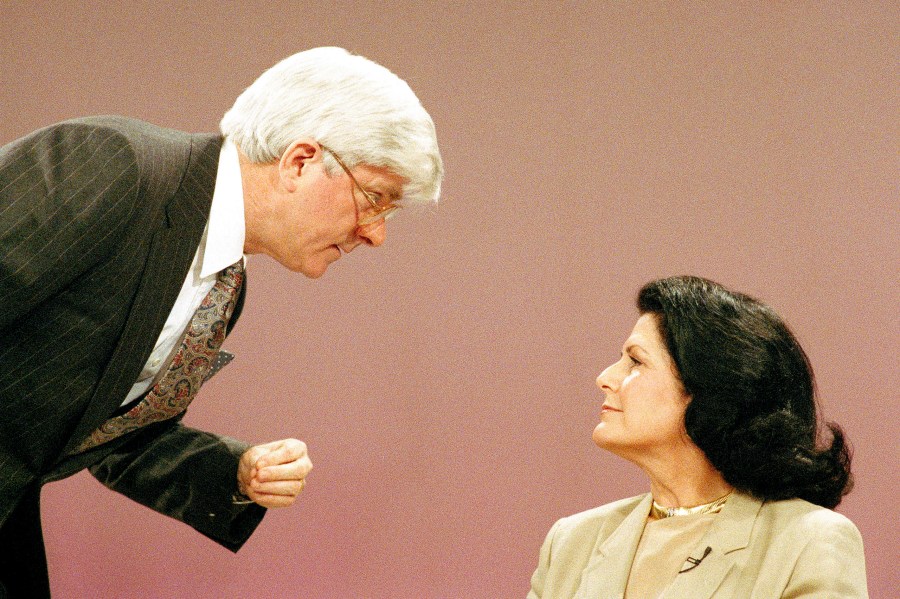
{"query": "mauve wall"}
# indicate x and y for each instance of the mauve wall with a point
(445, 382)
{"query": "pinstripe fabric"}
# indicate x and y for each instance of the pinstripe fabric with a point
(99, 222)
(188, 370)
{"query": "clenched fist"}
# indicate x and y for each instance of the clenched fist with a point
(274, 474)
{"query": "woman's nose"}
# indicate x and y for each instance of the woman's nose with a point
(606, 379)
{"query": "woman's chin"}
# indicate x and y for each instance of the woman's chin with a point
(606, 437)
(601, 435)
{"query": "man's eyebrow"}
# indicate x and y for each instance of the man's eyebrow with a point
(383, 188)
(391, 195)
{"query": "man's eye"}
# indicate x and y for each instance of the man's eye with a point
(376, 197)
(634, 361)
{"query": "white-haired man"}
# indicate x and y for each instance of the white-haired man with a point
(122, 269)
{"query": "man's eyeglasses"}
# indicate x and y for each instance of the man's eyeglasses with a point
(381, 212)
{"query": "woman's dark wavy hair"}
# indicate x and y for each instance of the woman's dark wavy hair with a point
(753, 405)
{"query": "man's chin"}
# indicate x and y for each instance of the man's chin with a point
(315, 268)
(312, 273)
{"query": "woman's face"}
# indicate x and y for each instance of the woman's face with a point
(644, 401)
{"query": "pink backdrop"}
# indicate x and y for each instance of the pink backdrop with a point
(444, 383)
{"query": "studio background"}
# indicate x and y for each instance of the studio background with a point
(445, 382)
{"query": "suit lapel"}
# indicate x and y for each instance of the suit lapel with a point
(171, 252)
(728, 535)
(607, 571)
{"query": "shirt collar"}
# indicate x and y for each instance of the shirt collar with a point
(224, 238)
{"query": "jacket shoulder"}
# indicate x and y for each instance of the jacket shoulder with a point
(797, 518)
(126, 127)
(805, 550)
(609, 515)
(804, 513)
(135, 139)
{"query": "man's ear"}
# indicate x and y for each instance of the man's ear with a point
(294, 161)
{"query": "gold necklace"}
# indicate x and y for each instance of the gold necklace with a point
(659, 512)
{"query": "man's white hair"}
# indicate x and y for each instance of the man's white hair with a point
(348, 103)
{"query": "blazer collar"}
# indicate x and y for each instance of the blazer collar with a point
(729, 534)
(607, 571)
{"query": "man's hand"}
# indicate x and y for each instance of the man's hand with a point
(273, 474)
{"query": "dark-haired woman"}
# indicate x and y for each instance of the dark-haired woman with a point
(713, 398)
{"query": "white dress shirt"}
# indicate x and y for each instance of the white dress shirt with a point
(221, 246)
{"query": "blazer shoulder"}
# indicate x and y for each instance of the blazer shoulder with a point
(800, 531)
(144, 141)
(161, 158)
(804, 513)
(77, 192)
(596, 518)
(127, 127)
(149, 143)
(802, 519)
(814, 550)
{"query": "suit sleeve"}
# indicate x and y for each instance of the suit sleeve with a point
(832, 563)
(540, 574)
(66, 194)
(187, 474)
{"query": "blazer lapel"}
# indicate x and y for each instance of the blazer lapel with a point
(169, 258)
(728, 535)
(607, 571)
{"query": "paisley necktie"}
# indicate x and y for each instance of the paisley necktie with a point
(196, 360)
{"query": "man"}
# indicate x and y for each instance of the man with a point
(121, 272)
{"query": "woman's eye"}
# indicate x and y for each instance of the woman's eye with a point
(634, 361)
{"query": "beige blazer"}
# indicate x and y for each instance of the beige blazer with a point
(759, 550)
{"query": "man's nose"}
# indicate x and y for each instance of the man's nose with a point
(372, 234)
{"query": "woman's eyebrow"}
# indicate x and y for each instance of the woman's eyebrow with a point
(635, 348)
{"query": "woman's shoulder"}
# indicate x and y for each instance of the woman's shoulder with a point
(610, 513)
(805, 514)
(793, 544)
(799, 519)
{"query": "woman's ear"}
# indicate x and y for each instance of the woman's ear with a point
(295, 160)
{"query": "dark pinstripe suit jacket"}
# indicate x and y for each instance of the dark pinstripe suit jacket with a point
(99, 222)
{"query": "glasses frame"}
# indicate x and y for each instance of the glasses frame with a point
(381, 212)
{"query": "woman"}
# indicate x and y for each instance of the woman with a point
(713, 398)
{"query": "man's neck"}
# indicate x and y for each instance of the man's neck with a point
(256, 179)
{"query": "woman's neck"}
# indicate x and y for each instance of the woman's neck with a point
(685, 481)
